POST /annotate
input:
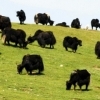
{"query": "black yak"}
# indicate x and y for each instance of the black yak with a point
(43, 18)
(30, 63)
(75, 23)
(95, 23)
(62, 24)
(80, 77)
(97, 49)
(43, 37)
(14, 35)
(21, 15)
(4, 22)
(71, 42)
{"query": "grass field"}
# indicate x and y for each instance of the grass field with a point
(58, 64)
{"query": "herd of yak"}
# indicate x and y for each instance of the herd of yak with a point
(35, 62)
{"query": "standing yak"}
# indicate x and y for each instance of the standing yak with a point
(16, 36)
(80, 78)
(71, 42)
(43, 19)
(21, 15)
(30, 63)
(97, 49)
(4, 22)
(76, 23)
(43, 37)
(95, 23)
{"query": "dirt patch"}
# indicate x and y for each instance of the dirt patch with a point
(97, 67)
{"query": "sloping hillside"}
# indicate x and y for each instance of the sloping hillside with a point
(58, 65)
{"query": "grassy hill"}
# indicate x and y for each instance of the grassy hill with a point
(58, 64)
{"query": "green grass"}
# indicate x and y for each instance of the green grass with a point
(50, 85)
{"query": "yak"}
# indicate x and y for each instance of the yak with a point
(4, 22)
(97, 49)
(44, 38)
(76, 23)
(31, 62)
(95, 23)
(21, 15)
(14, 35)
(80, 78)
(71, 42)
(62, 24)
(43, 18)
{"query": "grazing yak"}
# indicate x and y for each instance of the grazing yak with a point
(79, 77)
(30, 63)
(4, 22)
(75, 23)
(44, 38)
(71, 42)
(14, 35)
(95, 23)
(43, 18)
(97, 49)
(21, 15)
(62, 24)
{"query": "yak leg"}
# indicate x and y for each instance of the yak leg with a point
(30, 72)
(7, 42)
(87, 86)
(66, 48)
(51, 46)
(96, 28)
(74, 86)
(41, 43)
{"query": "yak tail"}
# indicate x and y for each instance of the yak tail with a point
(41, 64)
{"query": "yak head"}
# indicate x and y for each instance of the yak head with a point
(51, 22)
(18, 13)
(25, 44)
(19, 68)
(68, 85)
(31, 39)
(80, 42)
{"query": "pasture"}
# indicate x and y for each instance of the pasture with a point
(58, 64)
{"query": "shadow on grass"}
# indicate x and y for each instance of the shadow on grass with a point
(22, 24)
(14, 46)
(81, 90)
(33, 74)
(74, 52)
(41, 47)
